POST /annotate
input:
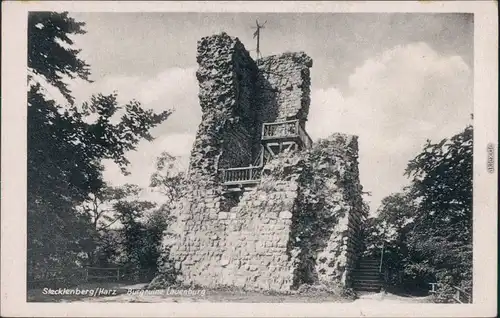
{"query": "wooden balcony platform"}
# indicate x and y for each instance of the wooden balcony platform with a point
(241, 177)
(290, 130)
(275, 136)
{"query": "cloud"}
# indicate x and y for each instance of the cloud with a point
(142, 161)
(173, 88)
(395, 102)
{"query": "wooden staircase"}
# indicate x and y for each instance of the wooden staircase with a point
(366, 277)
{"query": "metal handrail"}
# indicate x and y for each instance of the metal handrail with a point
(381, 257)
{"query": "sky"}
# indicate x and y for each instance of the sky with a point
(393, 79)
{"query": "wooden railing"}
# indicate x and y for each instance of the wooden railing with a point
(100, 273)
(286, 129)
(460, 296)
(76, 276)
(241, 175)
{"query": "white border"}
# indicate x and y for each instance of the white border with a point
(13, 203)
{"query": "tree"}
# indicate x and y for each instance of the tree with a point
(441, 239)
(387, 233)
(100, 210)
(442, 182)
(168, 177)
(48, 53)
(128, 230)
(427, 229)
(139, 250)
(65, 148)
(100, 205)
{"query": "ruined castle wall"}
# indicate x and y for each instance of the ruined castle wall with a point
(257, 239)
(283, 87)
(216, 240)
(225, 135)
(240, 149)
(338, 249)
(300, 223)
(246, 246)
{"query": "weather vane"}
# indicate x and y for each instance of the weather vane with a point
(257, 34)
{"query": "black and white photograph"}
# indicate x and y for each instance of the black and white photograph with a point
(240, 157)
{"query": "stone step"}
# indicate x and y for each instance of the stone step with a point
(366, 274)
(366, 280)
(369, 263)
(365, 267)
(368, 268)
(367, 271)
(367, 288)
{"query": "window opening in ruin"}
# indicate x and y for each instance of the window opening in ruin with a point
(230, 200)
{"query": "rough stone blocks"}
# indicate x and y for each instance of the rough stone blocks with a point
(276, 235)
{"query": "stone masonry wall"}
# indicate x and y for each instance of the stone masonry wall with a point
(226, 75)
(283, 87)
(295, 227)
(299, 223)
(335, 198)
(246, 246)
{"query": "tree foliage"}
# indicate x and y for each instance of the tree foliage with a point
(387, 233)
(49, 35)
(441, 239)
(427, 229)
(65, 147)
(442, 183)
(142, 225)
(168, 177)
(128, 230)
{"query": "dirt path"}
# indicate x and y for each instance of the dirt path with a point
(163, 296)
(365, 299)
(377, 298)
(133, 293)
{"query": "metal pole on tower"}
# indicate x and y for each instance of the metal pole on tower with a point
(257, 35)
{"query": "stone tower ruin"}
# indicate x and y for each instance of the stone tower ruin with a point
(263, 208)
